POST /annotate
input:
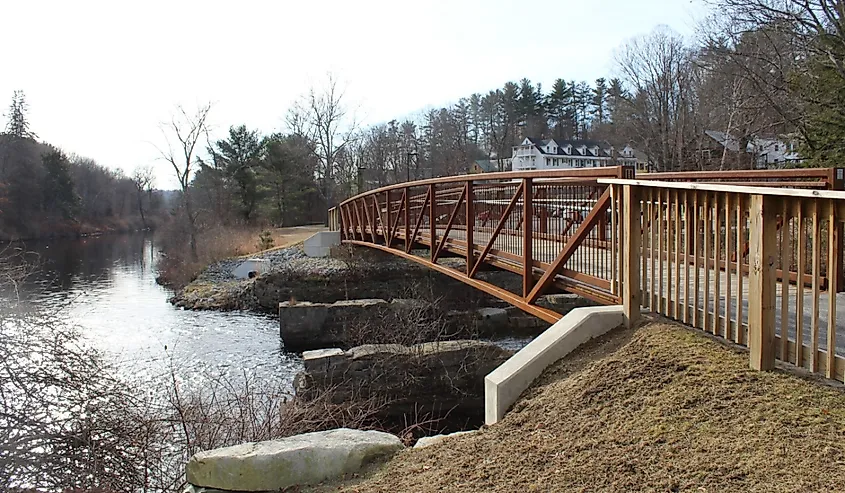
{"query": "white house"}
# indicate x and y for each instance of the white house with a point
(772, 153)
(767, 152)
(536, 154)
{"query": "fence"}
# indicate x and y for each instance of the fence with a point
(753, 265)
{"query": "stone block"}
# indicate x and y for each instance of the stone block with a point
(293, 461)
(320, 244)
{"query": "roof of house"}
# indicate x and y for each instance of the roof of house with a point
(605, 149)
(724, 139)
(487, 165)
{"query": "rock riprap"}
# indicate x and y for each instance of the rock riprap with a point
(298, 460)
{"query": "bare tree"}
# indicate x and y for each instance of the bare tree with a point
(142, 178)
(657, 69)
(322, 117)
(181, 135)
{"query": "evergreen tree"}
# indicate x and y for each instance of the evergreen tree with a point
(59, 193)
(237, 158)
(599, 109)
(559, 110)
(17, 124)
(616, 96)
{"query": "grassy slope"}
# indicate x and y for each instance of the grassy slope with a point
(659, 409)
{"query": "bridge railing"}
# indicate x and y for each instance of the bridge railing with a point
(749, 264)
(810, 178)
(553, 228)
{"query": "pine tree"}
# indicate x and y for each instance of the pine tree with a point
(558, 110)
(616, 96)
(18, 125)
(59, 192)
(599, 109)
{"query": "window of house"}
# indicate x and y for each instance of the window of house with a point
(776, 149)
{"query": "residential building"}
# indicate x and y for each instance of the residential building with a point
(536, 154)
(489, 165)
(764, 152)
(774, 152)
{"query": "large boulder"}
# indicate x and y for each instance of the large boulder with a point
(440, 379)
(298, 460)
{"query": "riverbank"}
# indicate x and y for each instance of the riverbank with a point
(220, 244)
(662, 408)
(62, 229)
(350, 273)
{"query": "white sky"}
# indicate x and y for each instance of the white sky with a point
(100, 76)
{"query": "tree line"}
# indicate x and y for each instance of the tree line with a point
(46, 192)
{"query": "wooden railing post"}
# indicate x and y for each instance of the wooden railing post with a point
(762, 279)
(527, 236)
(631, 235)
(470, 221)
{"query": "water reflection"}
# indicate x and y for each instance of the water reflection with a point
(106, 286)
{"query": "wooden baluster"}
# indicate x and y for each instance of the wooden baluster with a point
(728, 255)
(785, 269)
(799, 287)
(708, 247)
(688, 228)
(676, 311)
(717, 263)
(814, 327)
(696, 318)
(652, 251)
(660, 252)
(644, 233)
(832, 268)
(740, 239)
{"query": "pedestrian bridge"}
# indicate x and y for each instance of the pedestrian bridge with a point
(755, 257)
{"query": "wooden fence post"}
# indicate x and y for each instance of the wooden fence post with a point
(762, 280)
(631, 235)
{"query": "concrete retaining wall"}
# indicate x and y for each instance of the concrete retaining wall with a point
(503, 386)
(320, 244)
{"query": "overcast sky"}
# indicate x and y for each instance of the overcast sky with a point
(100, 76)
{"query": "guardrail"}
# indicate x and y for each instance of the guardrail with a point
(684, 247)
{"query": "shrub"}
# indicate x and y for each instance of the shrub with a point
(265, 241)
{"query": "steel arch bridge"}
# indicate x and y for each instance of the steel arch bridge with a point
(560, 230)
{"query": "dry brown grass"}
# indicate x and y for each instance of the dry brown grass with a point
(218, 243)
(659, 409)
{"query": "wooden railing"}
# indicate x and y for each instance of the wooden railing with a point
(811, 178)
(334, 219)
(748, 264)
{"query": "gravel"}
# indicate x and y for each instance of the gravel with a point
(279, 259)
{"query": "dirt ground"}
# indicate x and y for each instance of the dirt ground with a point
(658, 409)
(286, 237)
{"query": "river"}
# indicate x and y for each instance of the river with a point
(106, 287)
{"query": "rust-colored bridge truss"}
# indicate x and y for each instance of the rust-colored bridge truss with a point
(558, 229)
